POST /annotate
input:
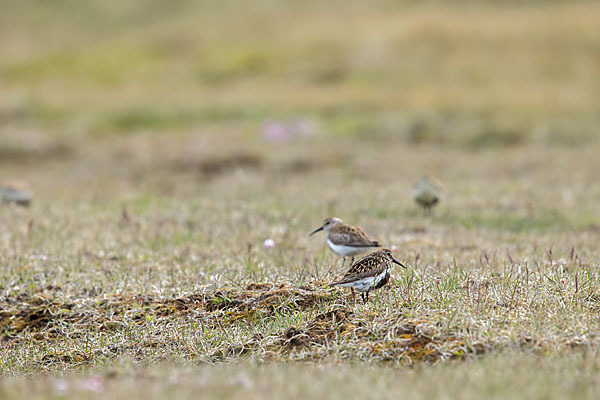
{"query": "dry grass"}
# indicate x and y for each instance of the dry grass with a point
(512, 375)
(139, 270)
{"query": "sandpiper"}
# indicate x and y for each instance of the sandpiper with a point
(345, 240)
(369, 273)
(17, 192)
(426, 193)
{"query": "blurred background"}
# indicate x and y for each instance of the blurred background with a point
(317, 104)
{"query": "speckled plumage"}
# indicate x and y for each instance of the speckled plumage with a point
(349, 235)
(369, 273)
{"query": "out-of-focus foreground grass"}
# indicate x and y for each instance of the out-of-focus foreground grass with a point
(508, 376)
(165, 141)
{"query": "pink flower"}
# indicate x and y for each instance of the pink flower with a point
(94, 383)
(394, 248)
(269, 243)
(281, 131)
(275, 132)
(304, 127)
(61, 386)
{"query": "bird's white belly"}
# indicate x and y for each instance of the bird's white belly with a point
(365, 284)
(344, 251)
(362, 285)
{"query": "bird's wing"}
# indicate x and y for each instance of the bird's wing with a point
(351, 236)
(361, 271)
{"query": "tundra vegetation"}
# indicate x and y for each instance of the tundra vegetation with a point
(180, 153)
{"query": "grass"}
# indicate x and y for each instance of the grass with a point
(534, 63)
(146, 134)
(160, 283)
(519, 375)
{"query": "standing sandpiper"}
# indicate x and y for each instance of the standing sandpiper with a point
(426, 193)
(16, 192)
(369, 273)
(345, 240)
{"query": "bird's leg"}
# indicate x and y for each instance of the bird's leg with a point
(343, 262)
(363, 297)
(366, 298)
(352, 260)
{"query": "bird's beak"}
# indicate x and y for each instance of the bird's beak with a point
(315, 231)
(398, 262)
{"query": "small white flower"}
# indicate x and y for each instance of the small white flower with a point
(269, 243)
(394, 248)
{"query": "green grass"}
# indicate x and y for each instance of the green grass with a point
(139, 270)
(522, 67)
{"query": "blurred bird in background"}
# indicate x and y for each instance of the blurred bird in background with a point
(427, 193)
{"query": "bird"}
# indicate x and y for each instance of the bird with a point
(17, 192)
(369, 273)
(426, 193)
(345, 240)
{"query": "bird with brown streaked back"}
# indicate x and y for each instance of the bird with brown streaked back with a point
(369, 273)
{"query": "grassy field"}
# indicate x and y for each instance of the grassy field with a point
(165, 144)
